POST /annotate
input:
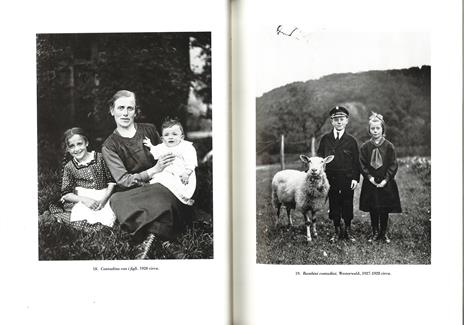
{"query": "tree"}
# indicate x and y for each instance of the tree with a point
(202, 80)
(78, 73)
(300, 109)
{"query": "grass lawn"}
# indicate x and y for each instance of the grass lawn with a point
(59, 241)
(409, 231)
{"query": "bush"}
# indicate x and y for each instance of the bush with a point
(420, 165)
(48, 188)
(408, 151)
(264, 159)
(204, 192)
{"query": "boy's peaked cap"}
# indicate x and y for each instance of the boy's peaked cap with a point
(338, 111)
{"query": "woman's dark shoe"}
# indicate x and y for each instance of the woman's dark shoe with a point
(173, 251)
(145, 247)
(349, 235)
(373, 237)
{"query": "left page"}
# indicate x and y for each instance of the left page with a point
(116, 210)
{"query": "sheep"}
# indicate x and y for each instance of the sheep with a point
(306, 192)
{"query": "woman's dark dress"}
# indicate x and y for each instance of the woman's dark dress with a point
(139, 206)
(384, 199)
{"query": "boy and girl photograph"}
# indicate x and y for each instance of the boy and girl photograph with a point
(375, 160)
(356, 222)
(315, 97)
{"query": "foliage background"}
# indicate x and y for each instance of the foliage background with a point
(300, 110)
(78, 73)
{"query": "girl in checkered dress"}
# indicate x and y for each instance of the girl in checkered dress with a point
(86, 183)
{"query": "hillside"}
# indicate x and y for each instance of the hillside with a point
(299, 110)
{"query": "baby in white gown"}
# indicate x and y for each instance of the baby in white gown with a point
(179, 177)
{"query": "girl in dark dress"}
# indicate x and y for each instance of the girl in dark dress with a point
(145, 210)
(379, 192)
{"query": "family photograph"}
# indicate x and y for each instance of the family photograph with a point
(124, 125)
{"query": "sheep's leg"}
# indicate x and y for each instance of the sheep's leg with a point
(308, 226)
(290, 222)
(314, 224)
(276, 221)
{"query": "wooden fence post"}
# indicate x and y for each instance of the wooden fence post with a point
(282, 153)
(313, 146)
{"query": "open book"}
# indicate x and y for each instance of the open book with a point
(253, 83)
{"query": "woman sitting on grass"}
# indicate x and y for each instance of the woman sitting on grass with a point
(145, 210)
(86, 184)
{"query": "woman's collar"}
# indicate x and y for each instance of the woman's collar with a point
(118, 133)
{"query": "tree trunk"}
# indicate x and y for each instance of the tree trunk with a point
(72, 105)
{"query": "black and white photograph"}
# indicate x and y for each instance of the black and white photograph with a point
(343, 147)
(124, 131)
(321, 118)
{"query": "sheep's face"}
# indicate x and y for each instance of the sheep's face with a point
(316, 165)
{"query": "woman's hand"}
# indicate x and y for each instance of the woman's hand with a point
(382, 184)
(101, 204)
(162, 163)
(89, 203)
(106, 197)
(372, 180)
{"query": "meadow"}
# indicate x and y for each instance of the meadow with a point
(409, 231)
(61, 241)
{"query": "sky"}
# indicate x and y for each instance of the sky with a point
(312, 54)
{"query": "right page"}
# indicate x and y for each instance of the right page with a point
(347, 162)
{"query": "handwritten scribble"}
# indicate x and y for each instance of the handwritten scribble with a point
(292, 32)
(280, 30)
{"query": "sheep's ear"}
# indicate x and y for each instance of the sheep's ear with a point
(304, 159)
(328, 159)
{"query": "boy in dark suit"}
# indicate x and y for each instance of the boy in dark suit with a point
(343, 172)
